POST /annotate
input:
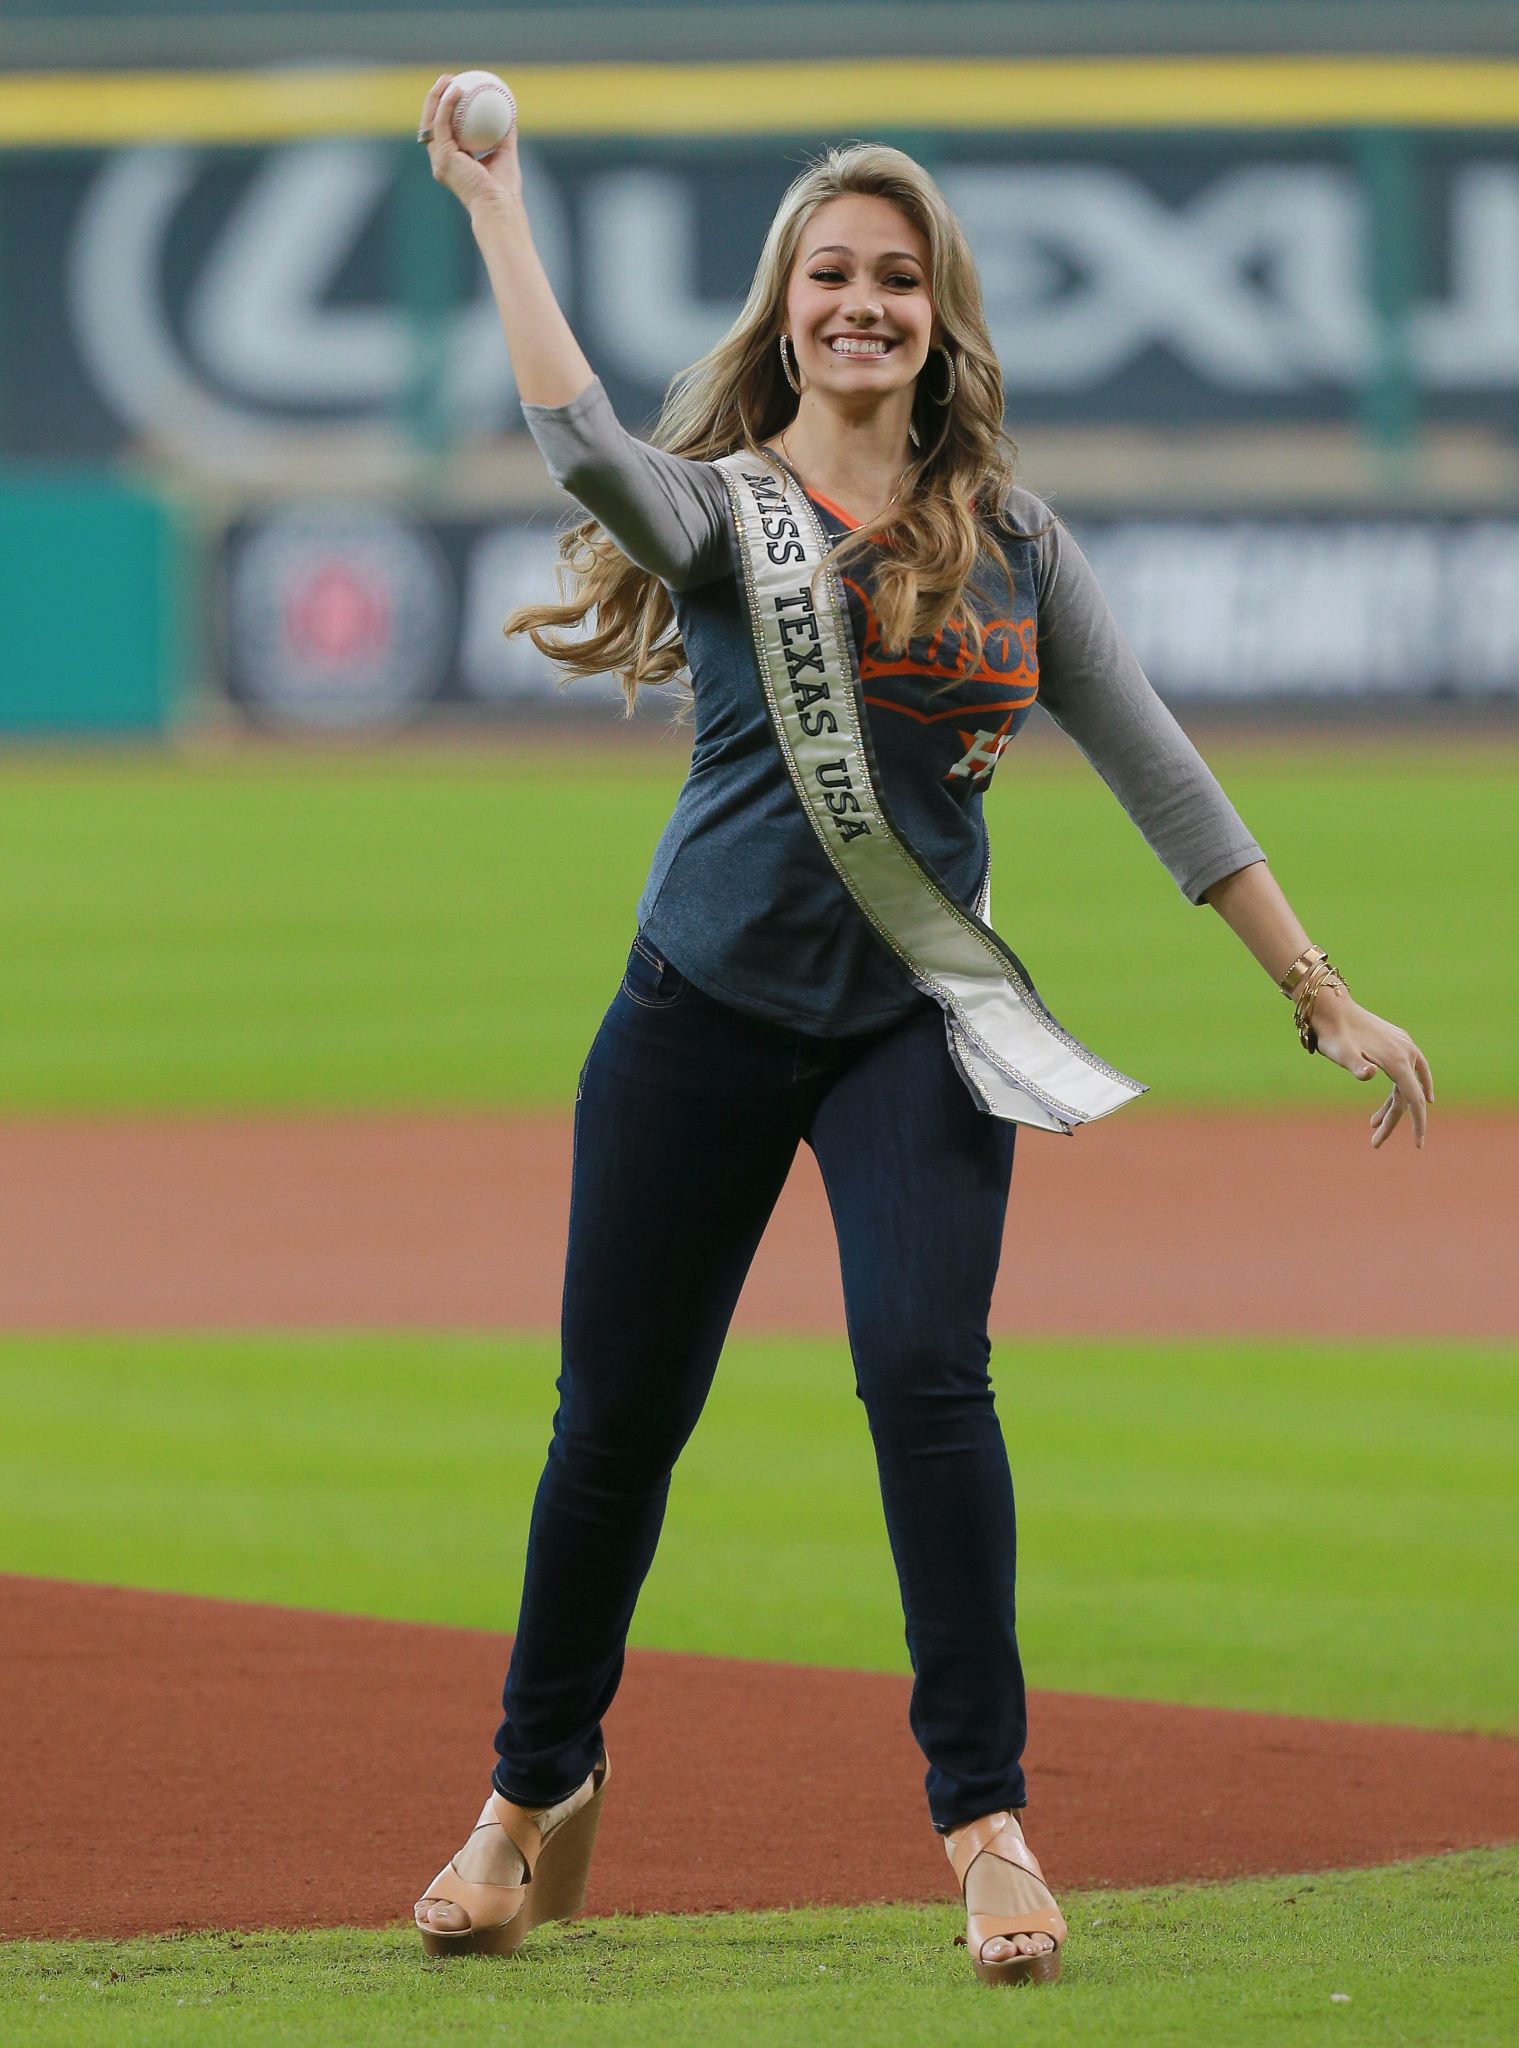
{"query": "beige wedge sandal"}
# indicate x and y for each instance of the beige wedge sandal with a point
(1024, 1903)
(546, 1850)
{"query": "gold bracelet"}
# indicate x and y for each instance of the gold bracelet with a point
(1322, 973)
(1309, 956)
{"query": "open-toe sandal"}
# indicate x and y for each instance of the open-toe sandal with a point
(521, 1866)
(1024, 1903)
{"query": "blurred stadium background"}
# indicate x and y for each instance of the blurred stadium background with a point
(290, 833)
(1252, 268)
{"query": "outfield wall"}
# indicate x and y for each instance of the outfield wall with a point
(1259, 322)
(355, 616)
(126, 616)
(100, 587)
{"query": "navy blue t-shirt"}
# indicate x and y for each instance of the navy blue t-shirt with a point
(740, 895)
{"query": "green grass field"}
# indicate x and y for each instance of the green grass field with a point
(1253, 1524)
(409, 928)
(1395, 1958)
(1313, 1528)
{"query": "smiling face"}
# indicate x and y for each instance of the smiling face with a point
(858, 304)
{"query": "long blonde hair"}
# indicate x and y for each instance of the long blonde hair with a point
(736, 396)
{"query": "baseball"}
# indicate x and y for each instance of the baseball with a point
(483, 111)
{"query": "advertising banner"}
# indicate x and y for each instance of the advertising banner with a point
(345, 616)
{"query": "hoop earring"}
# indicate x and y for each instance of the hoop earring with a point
(949, 394)
(786, 366)
(913, 435)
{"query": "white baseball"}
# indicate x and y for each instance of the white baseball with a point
(483, 111)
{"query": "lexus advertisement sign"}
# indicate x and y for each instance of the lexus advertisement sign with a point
(210, 307)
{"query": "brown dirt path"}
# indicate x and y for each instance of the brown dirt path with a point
(183, 1763)
(1161, 1223)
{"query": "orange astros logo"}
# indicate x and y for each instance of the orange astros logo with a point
(1008, 671)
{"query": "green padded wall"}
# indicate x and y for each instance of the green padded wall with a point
(93, 596)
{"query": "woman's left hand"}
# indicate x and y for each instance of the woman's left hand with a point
(1364, 1044)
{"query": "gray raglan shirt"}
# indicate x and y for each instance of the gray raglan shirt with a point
(740, 896)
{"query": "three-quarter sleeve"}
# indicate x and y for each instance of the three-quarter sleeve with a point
(1091, 683)
(667, 513)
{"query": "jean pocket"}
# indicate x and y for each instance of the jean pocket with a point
(651, 980)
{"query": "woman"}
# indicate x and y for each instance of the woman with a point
(760, 1008)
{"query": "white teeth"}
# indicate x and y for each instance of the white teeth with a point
(846, 345)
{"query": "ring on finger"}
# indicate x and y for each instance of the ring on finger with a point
(424, 135)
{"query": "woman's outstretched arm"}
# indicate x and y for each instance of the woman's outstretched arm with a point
(1253, 906)
(1092, 684)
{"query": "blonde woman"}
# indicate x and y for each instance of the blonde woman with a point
(765, 1003)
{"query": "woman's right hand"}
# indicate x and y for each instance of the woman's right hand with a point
(493, 181)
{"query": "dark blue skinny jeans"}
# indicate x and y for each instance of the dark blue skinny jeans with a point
(687, 1120)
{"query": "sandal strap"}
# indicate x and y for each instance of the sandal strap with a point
(980, 1928)
(991, 1835)
(482, 1902)
(521, 1828)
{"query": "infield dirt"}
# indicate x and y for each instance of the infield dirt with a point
(1201, 1223)
(197, 1763)
(194, 1763)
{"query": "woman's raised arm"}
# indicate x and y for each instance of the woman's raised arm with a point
(667, 514)
(546, 358)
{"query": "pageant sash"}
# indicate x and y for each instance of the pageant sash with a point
(1016, 1060)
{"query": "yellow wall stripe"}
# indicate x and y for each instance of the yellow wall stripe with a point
(62, 109)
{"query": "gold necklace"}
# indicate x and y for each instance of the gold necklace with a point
(786, 452)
